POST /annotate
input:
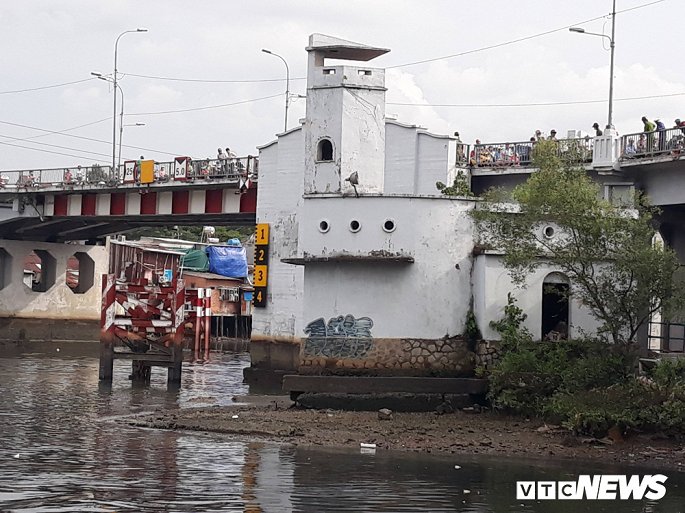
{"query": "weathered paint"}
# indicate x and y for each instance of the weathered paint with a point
(492, 283)
(280, 193)
(59, 302)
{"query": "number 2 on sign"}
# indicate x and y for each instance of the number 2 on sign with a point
(260, 272)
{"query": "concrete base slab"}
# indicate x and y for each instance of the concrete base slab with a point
(19, 330)
(378, 385)
(393, 401)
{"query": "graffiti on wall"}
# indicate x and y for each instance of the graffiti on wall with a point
(340, 337)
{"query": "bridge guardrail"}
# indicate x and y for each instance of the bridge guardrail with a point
(235, 168)
(651, 144)
(520, 154)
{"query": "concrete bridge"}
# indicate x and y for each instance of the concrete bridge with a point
(53, 224)
(86, 204)
(653, 163)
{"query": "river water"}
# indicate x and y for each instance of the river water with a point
(63, 448)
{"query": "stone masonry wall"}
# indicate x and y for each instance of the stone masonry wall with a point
(487, 353)
(386, 357)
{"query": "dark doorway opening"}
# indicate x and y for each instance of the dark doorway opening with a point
(555, 311)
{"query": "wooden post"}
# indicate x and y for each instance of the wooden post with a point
(199, 309)
(107, 313)
(174, 374)
(208, 320)
(178, 317)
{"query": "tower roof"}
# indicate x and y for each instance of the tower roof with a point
(336, 48)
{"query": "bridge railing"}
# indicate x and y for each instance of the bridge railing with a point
(230, 168)
(517, 154)
(652, 144)
(34, 178)
(208, 169)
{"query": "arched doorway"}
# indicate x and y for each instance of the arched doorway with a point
(555, 307)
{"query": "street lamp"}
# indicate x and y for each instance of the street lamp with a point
(100, 76)
(287, 85)
(114, 80)
(579, 30)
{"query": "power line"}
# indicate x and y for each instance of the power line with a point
(55, 146)
(62, 132)
(175, 154)
(519, 40)
(207, 107)
(53, 152)
(46, 87)
(213, 81)
(538, 104)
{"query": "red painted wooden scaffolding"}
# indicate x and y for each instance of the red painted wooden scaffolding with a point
(143, 311)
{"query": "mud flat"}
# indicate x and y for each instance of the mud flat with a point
(272, 419)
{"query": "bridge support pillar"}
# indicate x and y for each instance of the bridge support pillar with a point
(606, 149)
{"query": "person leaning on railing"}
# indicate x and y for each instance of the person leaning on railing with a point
(630, 150)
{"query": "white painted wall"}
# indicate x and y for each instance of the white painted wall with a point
(281, 176)
(425, 299)
(345, 104)
(492, 283)
(59, 302)
(416, 159)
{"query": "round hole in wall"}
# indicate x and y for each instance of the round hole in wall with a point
(389, 225)
(324, 226)
(355, 226)
(549, 231)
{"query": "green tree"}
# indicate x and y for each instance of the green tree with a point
(605, 249)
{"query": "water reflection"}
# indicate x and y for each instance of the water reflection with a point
(62, 450)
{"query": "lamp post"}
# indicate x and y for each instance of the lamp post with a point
(114, 80)
(612, 44)
(287, 85)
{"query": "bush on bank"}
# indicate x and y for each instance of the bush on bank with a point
(587, 385)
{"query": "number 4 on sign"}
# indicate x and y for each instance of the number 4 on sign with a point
(260, 297)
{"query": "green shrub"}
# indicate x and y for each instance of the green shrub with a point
(668, 372)
(528, 375)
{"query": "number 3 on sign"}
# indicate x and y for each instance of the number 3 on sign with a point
(260, 276)
(262, 236)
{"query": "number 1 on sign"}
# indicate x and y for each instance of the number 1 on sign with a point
(262, 236)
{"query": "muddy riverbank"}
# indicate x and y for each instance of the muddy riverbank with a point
(485, 433)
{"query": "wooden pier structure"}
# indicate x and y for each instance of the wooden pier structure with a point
(143, 312)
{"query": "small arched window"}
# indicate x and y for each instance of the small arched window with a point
(325, 150)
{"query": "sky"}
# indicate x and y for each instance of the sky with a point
(497, 70)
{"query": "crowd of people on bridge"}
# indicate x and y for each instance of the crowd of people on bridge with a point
(655, 139)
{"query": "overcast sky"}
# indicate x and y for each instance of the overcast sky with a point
(48, 42)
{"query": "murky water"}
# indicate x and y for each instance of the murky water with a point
(62, 450)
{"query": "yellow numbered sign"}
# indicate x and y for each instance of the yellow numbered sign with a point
(260, 276)
(259, 297)
(262, 236)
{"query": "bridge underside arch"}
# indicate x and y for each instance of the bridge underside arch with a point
(61, 229)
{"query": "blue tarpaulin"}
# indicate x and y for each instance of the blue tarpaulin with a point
(227, 261)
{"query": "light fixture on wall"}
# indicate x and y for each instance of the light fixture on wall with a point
(354, 181)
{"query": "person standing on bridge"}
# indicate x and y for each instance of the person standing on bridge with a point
(680, 124)
(221, 157)
(231, 157)
(598, 132)
(649, 128)
(661, 128)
